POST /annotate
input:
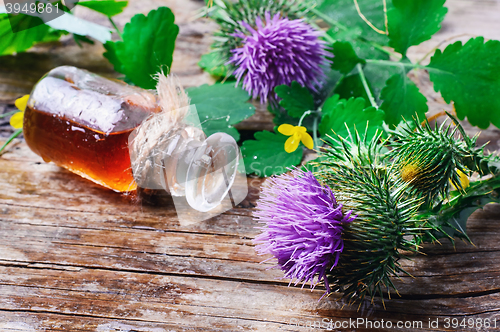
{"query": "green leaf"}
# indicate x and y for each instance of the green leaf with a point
(360, 45)
(23, 40)
(82, 39)
(50, 31)
(281, 116)
(213, 64)
(147, 47)
(352, 86)
(469, 76)
(451, 219)
(266, 155)
(412, 22)
(402, 99)
(11, 138)
(357, 31)
(377, 77)
(107, 7)
(345, 59)
(346, 116)
(331, 103)
(296, 99)
(220, 106)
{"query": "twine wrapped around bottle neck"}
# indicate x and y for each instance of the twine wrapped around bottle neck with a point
(160, 134)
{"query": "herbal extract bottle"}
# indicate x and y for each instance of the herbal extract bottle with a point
(88, 124)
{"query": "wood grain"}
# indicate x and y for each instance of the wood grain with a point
(77, 257)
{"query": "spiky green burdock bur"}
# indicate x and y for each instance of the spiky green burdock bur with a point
(384, 228)
(434, 162)
(431, 160)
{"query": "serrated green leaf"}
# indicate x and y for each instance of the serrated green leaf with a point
(147, 47)
(452, 217)
(213, 64)
(220, 106)
(361, 47)
(107, 7)
(23, 40)
(345, 59)
(281, 116)
(266, 155)
(346, 116)
(469, 76)
(52, 30)
(402, 99)
(352, 87)
(344, 12)
(377, 76)
(331, 103)
(412, 22)
(296, 99)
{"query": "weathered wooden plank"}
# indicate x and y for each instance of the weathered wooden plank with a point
(216, 256)
(97, 229)
(95, 224)
(56, 185)
(77, 257)
(191, 302)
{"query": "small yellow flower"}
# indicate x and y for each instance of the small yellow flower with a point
(464, 180)
(297, 134)
(16, 120)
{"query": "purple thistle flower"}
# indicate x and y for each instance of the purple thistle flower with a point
(303, 226)
(279, 51)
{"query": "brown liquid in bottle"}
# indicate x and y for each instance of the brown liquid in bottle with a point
(74, 130)
(102, 158)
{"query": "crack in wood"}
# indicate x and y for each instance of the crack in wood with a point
(159, 273)
(134, 319)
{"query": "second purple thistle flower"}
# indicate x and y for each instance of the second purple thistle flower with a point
(279, 51)
(302, 226)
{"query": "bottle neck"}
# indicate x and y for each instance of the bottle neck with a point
(160, 159)
(184, 163)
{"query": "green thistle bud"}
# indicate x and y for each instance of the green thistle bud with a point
(432, 161)
(384, 226)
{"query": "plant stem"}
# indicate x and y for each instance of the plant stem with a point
(7, 114)
(332, 90)
(434, 49)
(386, 22)
(363, 17)
(315, 124)
(400, 64)
(116, 28)
(315, 131)
(14, 135)
(365, 85)
(329, 20)
(339, 25)
(306, 113)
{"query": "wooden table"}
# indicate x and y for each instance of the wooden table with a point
(77, 257)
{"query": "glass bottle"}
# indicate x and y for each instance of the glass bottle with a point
(87, 124)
